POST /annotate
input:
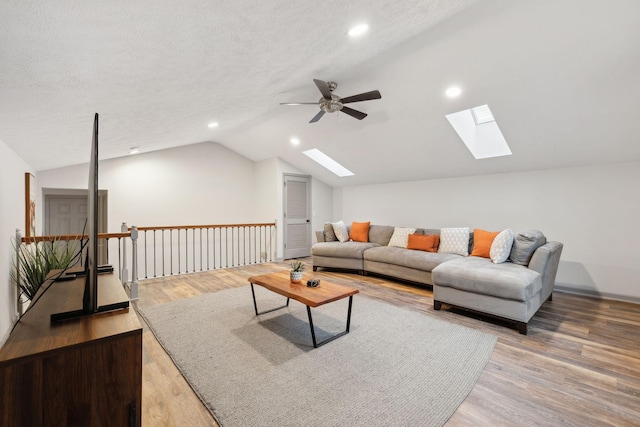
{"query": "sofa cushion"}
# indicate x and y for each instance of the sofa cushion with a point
(525, 244)
(481, 276)
(341, 250)
(421, 242)
(428, 231)
(380, 234)
(329, 235)
(501, 246)
(454, 241)
(400, 236)
(418, 260)
(359, 231)
(341, 231)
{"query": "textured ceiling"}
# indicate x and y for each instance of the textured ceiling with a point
(561, 77)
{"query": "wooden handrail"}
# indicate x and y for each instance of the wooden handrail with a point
(33, 239)
(183, 227)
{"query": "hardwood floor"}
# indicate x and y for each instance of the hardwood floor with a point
(578, 366)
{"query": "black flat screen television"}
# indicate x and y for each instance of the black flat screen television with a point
(90, 296)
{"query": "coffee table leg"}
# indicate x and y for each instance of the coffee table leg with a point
(313, 333)
(255, 306)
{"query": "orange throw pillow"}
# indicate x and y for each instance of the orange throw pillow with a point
(359, 231)
(482, 241)
(423, 242)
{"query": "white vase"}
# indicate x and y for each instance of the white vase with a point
(296, 276)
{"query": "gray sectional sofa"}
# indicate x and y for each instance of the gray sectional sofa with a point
(509, 290)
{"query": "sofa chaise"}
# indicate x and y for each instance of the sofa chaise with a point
(514, 288)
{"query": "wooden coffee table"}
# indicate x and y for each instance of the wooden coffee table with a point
(326, 292)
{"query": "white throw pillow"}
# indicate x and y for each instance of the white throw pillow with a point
(454, 241)
(501, 246)
(340, 231)
(400, 237)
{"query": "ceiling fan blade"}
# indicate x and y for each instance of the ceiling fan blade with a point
(317, 117)
(298, 103)
(324, 88)
(374, 94)
(354, 113)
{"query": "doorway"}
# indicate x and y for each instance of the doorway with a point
(297, 217)
(65, 214)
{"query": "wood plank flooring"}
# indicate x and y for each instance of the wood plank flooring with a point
(578, 366)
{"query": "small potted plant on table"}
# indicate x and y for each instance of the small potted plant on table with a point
(297, 267)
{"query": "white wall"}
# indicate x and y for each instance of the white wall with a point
(12, 217)
(322, 205)
(191, 185)
(592, 210)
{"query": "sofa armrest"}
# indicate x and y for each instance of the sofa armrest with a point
(320, 236)
(545, 260)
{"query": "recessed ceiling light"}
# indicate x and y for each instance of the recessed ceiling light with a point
(453, 91)
(295, 141)
(213, 125)
(134, 150)
(358, 30)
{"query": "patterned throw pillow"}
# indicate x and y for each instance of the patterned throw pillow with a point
(340, 231)
(400, 236)
(501, 246)
(454, 241)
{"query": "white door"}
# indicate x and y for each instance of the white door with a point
(297, 218)
(67, 215)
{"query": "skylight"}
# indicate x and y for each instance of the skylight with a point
(328, 162)
(479, 131)
(482, 114)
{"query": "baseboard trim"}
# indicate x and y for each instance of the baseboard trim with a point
(11, 326)
(599, 295)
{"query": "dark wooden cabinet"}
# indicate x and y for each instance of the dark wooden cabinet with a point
(78, 372)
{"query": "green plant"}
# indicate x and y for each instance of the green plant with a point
(34, 261)
(297, 266)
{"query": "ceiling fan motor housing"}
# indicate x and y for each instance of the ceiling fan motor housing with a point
(330, 106)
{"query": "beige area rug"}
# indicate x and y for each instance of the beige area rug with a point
(396, 367)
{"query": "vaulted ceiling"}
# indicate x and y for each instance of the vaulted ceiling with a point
(561, 77)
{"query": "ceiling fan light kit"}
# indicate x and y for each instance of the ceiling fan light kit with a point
(332, 103)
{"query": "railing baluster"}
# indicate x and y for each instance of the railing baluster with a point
(171, 251)
(163, 259)
(207, 231)
(146, 257)
(155, 253)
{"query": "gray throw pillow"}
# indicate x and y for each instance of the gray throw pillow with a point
(525, 244)
(329, 234)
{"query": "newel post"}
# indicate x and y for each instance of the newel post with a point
(124, 274)
(134, 262)
(15, 285)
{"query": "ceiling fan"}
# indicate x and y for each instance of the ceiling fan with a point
(330, 103)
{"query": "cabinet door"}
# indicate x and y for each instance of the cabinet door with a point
(97, 385)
